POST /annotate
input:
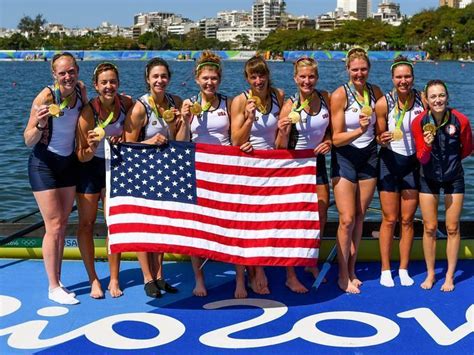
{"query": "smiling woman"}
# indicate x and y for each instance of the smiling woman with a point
(102, 117)
(398, 182)
(52, 167)
(443, 139)
(353, 160)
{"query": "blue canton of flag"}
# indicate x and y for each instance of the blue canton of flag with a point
(155, 173)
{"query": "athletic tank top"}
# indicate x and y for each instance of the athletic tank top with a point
(61, 134)
(212, 127)
(309, 132)
(154, 125)
(405, 146)
(263, 131)
(351, 116)
(114, 128)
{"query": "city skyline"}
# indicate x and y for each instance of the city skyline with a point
(120, 12)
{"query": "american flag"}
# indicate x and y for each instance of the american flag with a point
(214, 202)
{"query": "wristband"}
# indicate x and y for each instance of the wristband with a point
(39, 127)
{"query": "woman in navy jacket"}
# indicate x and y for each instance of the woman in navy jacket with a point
(443, 137)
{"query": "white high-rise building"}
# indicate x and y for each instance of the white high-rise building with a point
(267, 13)
(363, 8)
(347, 5)
(464, 3)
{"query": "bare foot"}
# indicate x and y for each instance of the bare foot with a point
(114, 289)
(348, 286)
(240, 290)
(200, 288)
(355, 281)
(96, 289)
(295, 285)
(259, 282)
(313, 270)
(448, 285)
(428, 283)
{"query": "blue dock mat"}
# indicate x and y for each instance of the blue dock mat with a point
(379, 320)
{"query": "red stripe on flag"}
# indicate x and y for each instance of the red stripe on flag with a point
(230, 224)
(260, 154)
(243, 208)
(199, 234)
(214, 255)
(255, 172)
(256, 190)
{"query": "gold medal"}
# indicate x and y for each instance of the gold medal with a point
(196, 109)
(397, 134)
(294, 116)
(429, 127)
(257, 100)
(54, 110)
(100, 132)
(168, 116)
(366, 110)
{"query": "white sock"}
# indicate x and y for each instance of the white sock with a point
(405, 279)
(386, 278)
(72, 293)
(60, 296)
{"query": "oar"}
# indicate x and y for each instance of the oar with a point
(326, 266)
(203, 263)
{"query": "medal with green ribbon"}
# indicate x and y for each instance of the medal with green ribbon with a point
(57, 108)
(207, 106)
(397, 133)
(168, 115)
(365, 108)
(196, 108)
(100, 128)
(431, 126)
(295, 114)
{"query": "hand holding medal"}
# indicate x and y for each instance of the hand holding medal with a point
(99, 129)
(258, 102)
(295, 114)
(430, 127)
(56, 110)
(196, 108)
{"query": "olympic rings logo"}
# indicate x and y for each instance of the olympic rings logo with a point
(28, 243)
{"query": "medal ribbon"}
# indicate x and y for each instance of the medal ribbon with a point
(110, 117)
(57, 97)
(445, 119)
(399, 116)
(207, 106)
(154, 106)
(356, 95)
(304, 104)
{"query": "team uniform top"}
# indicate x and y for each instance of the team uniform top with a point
(406, 145)
(114, 128)
(310, 129)
(212, 127)
(60, 136)
(154, 124)
(453, 142)
(263, 131)
(351, 116)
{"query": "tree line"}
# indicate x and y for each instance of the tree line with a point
(445, 33)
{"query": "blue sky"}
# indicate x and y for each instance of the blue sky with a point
(90, 13)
